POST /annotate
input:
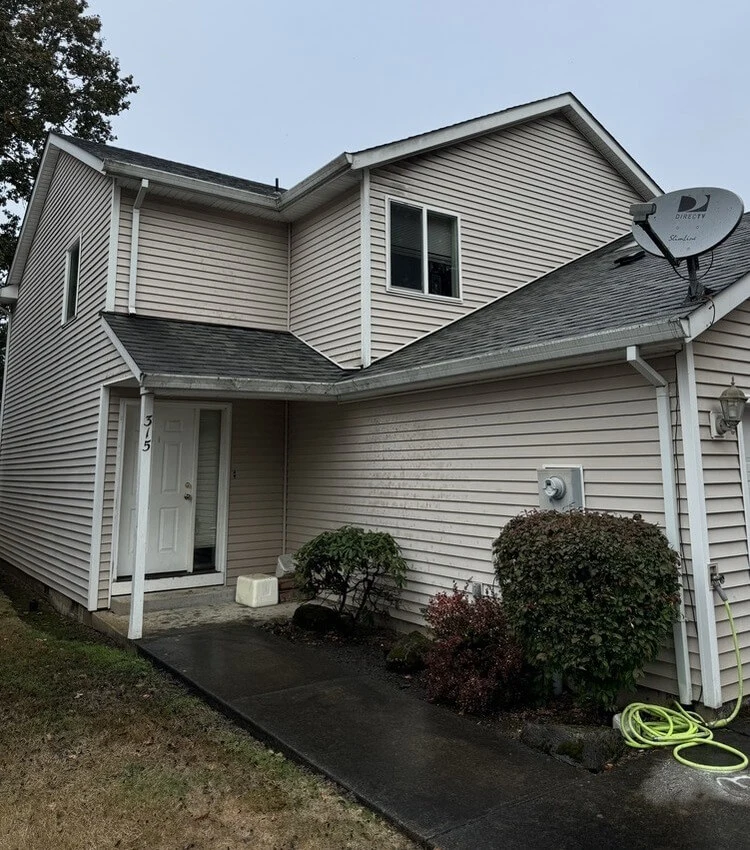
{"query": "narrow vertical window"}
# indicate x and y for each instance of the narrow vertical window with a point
(406, 247)
(423, 251)
(72, 270)
(442, 277)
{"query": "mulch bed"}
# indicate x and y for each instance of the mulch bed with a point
(365, 651)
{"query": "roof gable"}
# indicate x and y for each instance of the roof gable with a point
(185, 182)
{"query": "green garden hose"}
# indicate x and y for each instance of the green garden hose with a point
(644, 726)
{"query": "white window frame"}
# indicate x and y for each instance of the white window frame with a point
(65, 319)
(424, 294)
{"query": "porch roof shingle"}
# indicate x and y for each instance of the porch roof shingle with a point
(181, 348)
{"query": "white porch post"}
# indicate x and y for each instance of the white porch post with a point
(135, 628)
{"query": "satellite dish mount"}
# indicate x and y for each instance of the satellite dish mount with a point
(683, 225)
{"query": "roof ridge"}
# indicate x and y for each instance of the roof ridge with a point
(91, 146)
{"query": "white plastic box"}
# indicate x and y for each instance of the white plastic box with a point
(257, 591)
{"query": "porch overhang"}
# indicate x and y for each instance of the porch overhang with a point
(168, 356)
(227, 387)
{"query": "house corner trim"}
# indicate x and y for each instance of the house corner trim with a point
(365, 270)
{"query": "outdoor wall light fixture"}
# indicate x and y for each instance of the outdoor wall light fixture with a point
(732, 402)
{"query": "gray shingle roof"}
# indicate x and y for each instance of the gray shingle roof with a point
(172, 347)
(588, 295)
(143, 160)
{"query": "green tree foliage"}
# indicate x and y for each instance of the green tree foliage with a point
(361, 571)
(591, 596)
(55, 75)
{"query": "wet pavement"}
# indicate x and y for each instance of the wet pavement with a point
(447, 781)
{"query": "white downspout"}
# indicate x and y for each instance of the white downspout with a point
(671, 515)
(136, 226)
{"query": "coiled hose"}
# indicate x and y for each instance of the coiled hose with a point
(645, 726)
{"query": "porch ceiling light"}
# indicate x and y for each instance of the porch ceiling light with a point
(732, 402)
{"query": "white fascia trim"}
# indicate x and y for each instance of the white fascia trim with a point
(671, 511)
(553, 351)
(337, 166)
(718, 306)
(83, 156)
(261, 387)
(365, 279)
(33, 213)
(600, 137)
(383, 154)
(705, 614)
(122, 351)
(189, 184)
(114, 236)
(566, 103)
(96, 518)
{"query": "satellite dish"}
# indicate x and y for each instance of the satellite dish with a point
(687, 223)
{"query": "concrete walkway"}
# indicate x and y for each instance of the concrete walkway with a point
(446, 781)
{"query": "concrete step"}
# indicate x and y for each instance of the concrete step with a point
(167, 600)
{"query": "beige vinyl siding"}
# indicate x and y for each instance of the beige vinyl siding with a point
(124, 235)
(256, 488)
(202, 265)
(444, 470)
(256, 485)
(720, 353)
(108, 503)
(325, 279)
(530, 199)
(49, 437)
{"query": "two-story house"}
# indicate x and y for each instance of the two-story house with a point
(203, 372)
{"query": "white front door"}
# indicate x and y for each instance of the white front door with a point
(172, 500)
(172, 513)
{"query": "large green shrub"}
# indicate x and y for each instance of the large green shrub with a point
(591, 596)
(361, 571)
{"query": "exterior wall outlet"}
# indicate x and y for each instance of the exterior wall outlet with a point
(560, 488)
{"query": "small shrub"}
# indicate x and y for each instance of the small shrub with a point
(474, 662)
(361, 571)
(591, 596)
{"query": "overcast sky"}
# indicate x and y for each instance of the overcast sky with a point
(276, 89)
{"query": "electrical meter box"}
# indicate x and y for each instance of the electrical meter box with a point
(561, 488)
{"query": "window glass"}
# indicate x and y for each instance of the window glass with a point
(71, 282)
(207, 490)
(441, 255)
(406, 247)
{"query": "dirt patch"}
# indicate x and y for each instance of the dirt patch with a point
(365, 652)
(99, 749)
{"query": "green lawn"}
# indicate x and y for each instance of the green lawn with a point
(100, 750)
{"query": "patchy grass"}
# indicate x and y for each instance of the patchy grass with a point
(99, 749)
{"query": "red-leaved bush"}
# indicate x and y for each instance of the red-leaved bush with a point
(474, 662)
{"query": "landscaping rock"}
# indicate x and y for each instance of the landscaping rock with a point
(590, 747)
(316, 618)
(408, 653)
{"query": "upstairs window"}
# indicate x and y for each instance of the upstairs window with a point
(72, 273)
(423, 251)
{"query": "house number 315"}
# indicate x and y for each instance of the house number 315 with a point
(147, 440)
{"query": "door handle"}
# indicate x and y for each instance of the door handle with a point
(188, 497)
